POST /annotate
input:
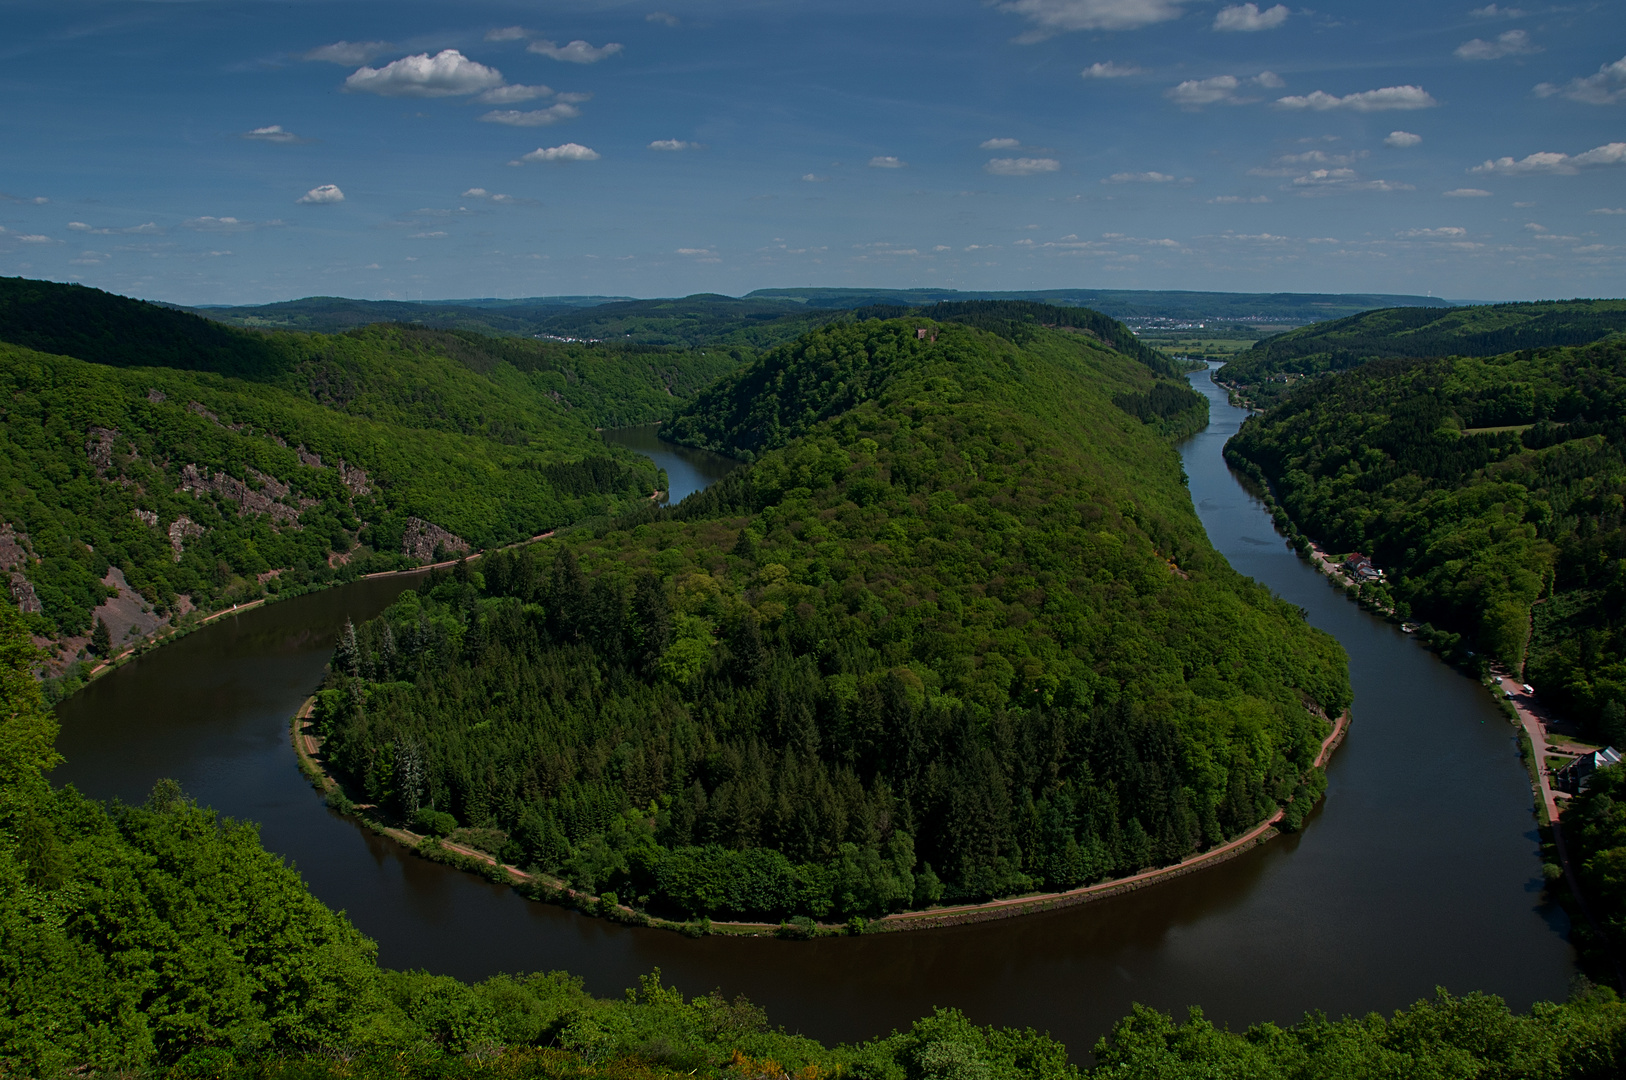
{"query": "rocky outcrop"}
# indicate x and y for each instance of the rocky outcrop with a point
(155, 395)
(180, 530)
(249, 501)
(422, 540)
(99, 448)
(13, 558)
(307, 458)
(353, 478)
(149, 518)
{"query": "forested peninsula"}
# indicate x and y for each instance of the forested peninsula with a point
(153, 462)
(955, 633)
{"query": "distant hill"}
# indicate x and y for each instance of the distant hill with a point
(329, 314)
(1265, 371)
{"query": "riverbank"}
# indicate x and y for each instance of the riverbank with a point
(308, 745)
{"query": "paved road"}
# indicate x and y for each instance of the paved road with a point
(1530, 717)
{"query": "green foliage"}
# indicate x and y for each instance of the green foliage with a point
(1595, 828)
(1490, 490)
(958, 613)
(491, 440)
(1268, 369)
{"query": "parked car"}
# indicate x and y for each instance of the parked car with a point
(1527, 688)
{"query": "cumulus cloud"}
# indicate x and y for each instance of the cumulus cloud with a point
(446, 74)
(1051, 17)
(1444, 232)
(886, 161)
(206, 223)
(575, 52)
(1328, 181)
(1022, 166)
(661, 17)
(815, 178)
(1388, 98)
(1561, 164)
(1229, 199)
(673, 145)
(1138, 178)
(513, 95)
(148, 229)
(1607, 210)
(999, 144)
(1512, 43)
(1110, 70)
(1401, 139)
(695, 251)
(482, 193)
(1467, 193)
(274, 133)
(34, 238)
(346, 53)
(1248, 17)
(508, 33)
(322, 194)
(565, 152)
(1492, 11)
(1604, 88)
(1270, 80)
(1194, 93)
(532, 117)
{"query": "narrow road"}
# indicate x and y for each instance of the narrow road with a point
(1525, 705)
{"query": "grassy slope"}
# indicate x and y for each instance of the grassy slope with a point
(1420, 332)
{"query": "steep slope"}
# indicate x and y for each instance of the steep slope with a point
(1270, 367)
(956, 632)
(1489, 489)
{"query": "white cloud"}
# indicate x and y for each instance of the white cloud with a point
(446, 74)
(1138, 178)
(513, 95)
(1511, 43)
(531, 118)
(1389, 97)
(1604, 88)
(1228, 199)
(427, 235)
(346, 53)
(886, 162)
(999, 144)
(661, 17)
(576, 52)
(1444, 232)
(1270, 80)
(508, 33)
(1110, 70)
(219, 224)
(148, 229)
(673, 145)
(1402, 139)
(695, 251)
(1491, 11)
(475, 193)
(1198, 92)
(815, 178)
(1467, 193)
(274, 133)
(565, 152)
(34, 238)
(1607, 210)
(1327, 181)
(1248, 17)
(1056, 16)
(325, 193)
(1023, 166)
(1562, 164)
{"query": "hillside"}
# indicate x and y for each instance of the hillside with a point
(956, 633)
(1489, 490)
(1266, 371)
(188, 465)
(332, 314)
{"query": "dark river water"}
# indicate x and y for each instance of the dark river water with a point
(1420, 870)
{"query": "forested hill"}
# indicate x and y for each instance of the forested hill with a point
(208, 465)
(1489, 489)
(1265, 371)
(956, 633)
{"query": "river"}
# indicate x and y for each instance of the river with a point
(1420, 869)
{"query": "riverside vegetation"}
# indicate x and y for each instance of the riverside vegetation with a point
(956, 633)
(211, 465)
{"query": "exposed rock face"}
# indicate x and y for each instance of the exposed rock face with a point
(307, 458)
(353, 478)
(198, 407)
(155, 395)
(179, 529)
(421, 540)
(249, 501)
(13, 557)
(99, 448)
(148, 518)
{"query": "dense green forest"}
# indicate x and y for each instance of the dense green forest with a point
(162, 940)
(210, 464)
(956, 633)
(1595, 829)
(1268, 370)
(1489, 489)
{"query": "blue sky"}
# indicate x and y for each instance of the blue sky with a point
(239, 152)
